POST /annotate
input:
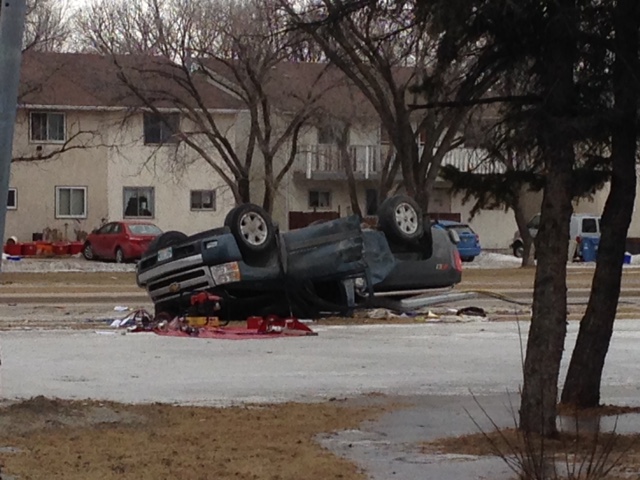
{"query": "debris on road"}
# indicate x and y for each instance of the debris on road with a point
(257, 328)
(202, 324)
(138, 319)
(472, 312)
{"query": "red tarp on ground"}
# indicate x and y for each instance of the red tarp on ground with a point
(233, 333)
(257, 328)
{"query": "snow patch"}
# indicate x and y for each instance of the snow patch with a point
(493, 260)
(486, 260)
(72, 264)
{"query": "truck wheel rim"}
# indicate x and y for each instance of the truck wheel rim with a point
(406, 218)
(253, 228)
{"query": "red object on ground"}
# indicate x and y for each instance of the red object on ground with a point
(257, 328)
(204, 297)
(28, 249)
(61, 249)
(275, 324)
(254, 322)
(44, 248)
(14, 249)
(75, 248)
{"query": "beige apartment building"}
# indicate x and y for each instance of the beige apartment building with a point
(86, 151)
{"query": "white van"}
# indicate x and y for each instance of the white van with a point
(581, 225)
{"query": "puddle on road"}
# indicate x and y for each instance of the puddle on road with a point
(390, 447)
(624, 424)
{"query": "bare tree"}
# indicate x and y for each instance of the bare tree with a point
(119, 27)
(46, 25)
(385, 54)
(238, 48)
(582, 385)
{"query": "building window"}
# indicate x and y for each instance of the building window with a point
(203, 199)
(319, 199)
(71, 202)
(138, 202)
(12, 199)
(160, 129)
(47, 127)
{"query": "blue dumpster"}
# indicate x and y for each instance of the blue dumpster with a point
(589, 248)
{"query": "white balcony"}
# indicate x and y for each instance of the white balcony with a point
(324, 161)
(472, 160)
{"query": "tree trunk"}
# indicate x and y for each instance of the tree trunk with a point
(243, 194)
(388, 175)
(548, 322)
(422, 197)
(549, 318)
(268, 197)
(351, 181)
(404, 143)
(345, 158)
(525, 235)
(582, 386)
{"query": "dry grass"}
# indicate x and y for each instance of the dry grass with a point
(601, 411)
(578, 455)
(523, 277)
(508, 439)
(54, 439)
(507, 277)
(60, 279)
(579, 277)
(572, 453)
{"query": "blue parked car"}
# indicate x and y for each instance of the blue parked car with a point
(469, 244)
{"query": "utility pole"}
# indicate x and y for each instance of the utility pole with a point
(12, 13)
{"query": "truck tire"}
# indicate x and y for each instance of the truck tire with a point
(400, 218)
(252, 228)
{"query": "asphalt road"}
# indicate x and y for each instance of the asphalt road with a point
(442, 359)
(434, 367)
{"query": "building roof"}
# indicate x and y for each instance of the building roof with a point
(291, 84)
(86, 80)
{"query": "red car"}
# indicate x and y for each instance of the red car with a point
(120, 241)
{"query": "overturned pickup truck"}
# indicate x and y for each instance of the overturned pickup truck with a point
(326, 268)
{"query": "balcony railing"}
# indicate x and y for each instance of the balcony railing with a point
(472, 160)
(366, 161)
(327, 158)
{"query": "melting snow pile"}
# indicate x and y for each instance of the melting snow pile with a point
(70, 264)
(493, 260)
